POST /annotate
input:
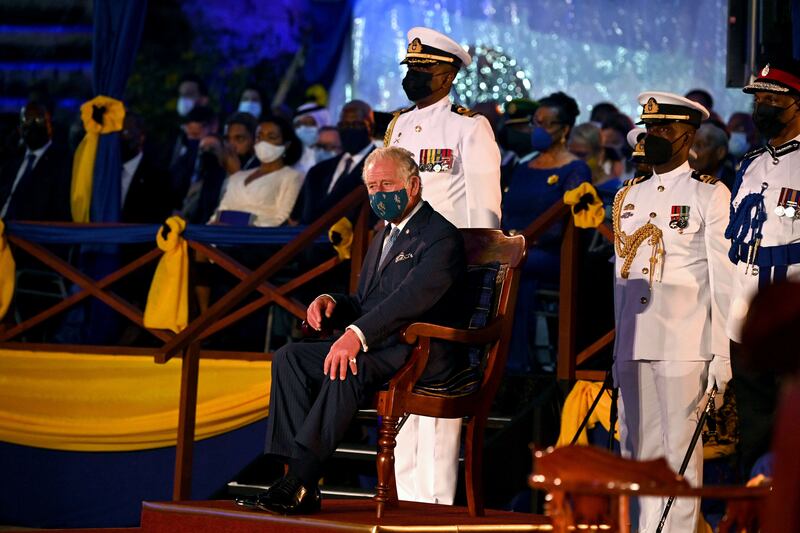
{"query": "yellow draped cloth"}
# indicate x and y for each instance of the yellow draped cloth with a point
(577, 405)
(7, 273)
(591, 215)
(101, 114)
(168, 299)
(341, 235)
(83, 402)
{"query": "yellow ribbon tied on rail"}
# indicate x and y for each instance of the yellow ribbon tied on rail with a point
(341, 235)
(168, 300)
(7, 273)
(100, 115)
(587, 207)
(577, 404)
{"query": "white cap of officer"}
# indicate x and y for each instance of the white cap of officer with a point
(427, 46)
(659, 107)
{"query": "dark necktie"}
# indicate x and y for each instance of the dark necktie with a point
(25, 173)
(388, 244)
(348, 162)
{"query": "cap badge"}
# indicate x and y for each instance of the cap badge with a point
(651, 106)
(765, 70)
(415, 46)
(639, 148)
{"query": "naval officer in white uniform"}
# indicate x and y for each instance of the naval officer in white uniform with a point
(459, 164)
(766, 191)
(671, 299)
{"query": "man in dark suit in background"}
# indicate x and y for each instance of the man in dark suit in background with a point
(35, 182)
(331, 180)
(412, 272)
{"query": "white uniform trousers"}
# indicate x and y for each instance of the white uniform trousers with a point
(658, 414)
(426, 459)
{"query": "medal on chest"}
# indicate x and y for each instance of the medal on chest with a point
(435, 159)
(788, 203)
(679, 217)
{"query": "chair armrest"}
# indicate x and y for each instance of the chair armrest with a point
(482, 335)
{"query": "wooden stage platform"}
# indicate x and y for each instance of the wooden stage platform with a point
(336, 515)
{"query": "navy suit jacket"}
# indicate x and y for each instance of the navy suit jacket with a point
(45, 193)
(314, 198)
(420, 280)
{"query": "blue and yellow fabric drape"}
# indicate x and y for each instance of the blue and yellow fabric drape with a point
(100, 115)
(587, 207)
(7, 273)
(577, 405)
(168, 300)
(88, 402)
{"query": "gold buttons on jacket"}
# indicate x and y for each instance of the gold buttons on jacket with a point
(645, 271)
(643, 300)
(660, 188)
(653, 214)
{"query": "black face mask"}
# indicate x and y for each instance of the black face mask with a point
(767, 119)
(517, 141)
(658, 150)
(34, 135)
(354, 139)
(417, 85)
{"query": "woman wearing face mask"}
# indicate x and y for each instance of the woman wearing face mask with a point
(536, 185)
(264, 196)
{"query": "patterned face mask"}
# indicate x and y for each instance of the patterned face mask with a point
(389, 205)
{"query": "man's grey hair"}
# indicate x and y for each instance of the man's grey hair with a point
(403, 159)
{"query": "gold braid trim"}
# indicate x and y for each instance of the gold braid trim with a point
(626, 246)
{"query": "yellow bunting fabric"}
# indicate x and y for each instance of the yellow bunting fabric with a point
(100, 115)
(8, 273)
(341, 235)
(168, 299)
(585, 214)
(577, 405)
(89, 402)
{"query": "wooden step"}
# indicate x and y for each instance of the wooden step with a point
(336, 515)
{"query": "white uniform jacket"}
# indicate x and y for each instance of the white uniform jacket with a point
(778, 172)
(683, 316)
(459, 161)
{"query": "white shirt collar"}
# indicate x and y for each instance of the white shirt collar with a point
(444, 102)
(402, 224)
(38, 152)
(675, 172)
(132, 164)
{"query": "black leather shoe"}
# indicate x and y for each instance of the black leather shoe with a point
(287, 496)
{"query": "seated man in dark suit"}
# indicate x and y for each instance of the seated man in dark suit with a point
(35, 182)
(331, 180)
(413, 271)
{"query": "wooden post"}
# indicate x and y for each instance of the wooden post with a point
(359, 247)
(567, 302)
(190, 369)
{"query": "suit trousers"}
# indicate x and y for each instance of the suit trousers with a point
(426, 459)
(307, 409)
(658, 415)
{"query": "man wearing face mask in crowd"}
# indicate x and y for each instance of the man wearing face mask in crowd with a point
(250, 102)
(35, 181)
(192, 92)
(329, 144)
(710, 153)
(671, 300)
(765, 238)
(185, 173)
(744, 136)
(460, 169)
(413, 271)
(330, 181)
(514, 137)
(308, 119)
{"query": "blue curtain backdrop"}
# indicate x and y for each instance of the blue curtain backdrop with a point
(330, 27)
(118, 28)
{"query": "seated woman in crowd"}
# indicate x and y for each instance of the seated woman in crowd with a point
(264, 196)
(535, 186)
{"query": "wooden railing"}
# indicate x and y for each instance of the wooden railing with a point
(188, 343)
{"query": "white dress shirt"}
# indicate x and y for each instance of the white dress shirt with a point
(37, 156)
(126, 178)
(354, 162)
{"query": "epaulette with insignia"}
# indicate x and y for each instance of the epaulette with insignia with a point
(390, 128)
(635, 181)
(704, 178)
(461, 110)
(754, 152)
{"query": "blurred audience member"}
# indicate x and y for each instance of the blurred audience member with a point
(744, 135)
(192, 91)
(143, 182)
(35, 181)
(711, 154)
(250, 102)
(585, 144)
(514, 137)
(382, 120)
(704, 98)
(329, 144)
(240, 140)
(330, 181)
(308, 119)
(199, 124)
(601, 112)
(613, 133)
(264, 196)
(535, 187)
(491, 111)
(635, 136)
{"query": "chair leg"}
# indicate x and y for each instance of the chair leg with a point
(473, 466)
(386, 491)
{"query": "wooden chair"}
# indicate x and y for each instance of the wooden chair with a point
(590, 487)
(403, 397)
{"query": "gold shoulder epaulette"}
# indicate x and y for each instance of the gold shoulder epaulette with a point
(635, 181)
(387, 137)
(704, 178)
(461, 110)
